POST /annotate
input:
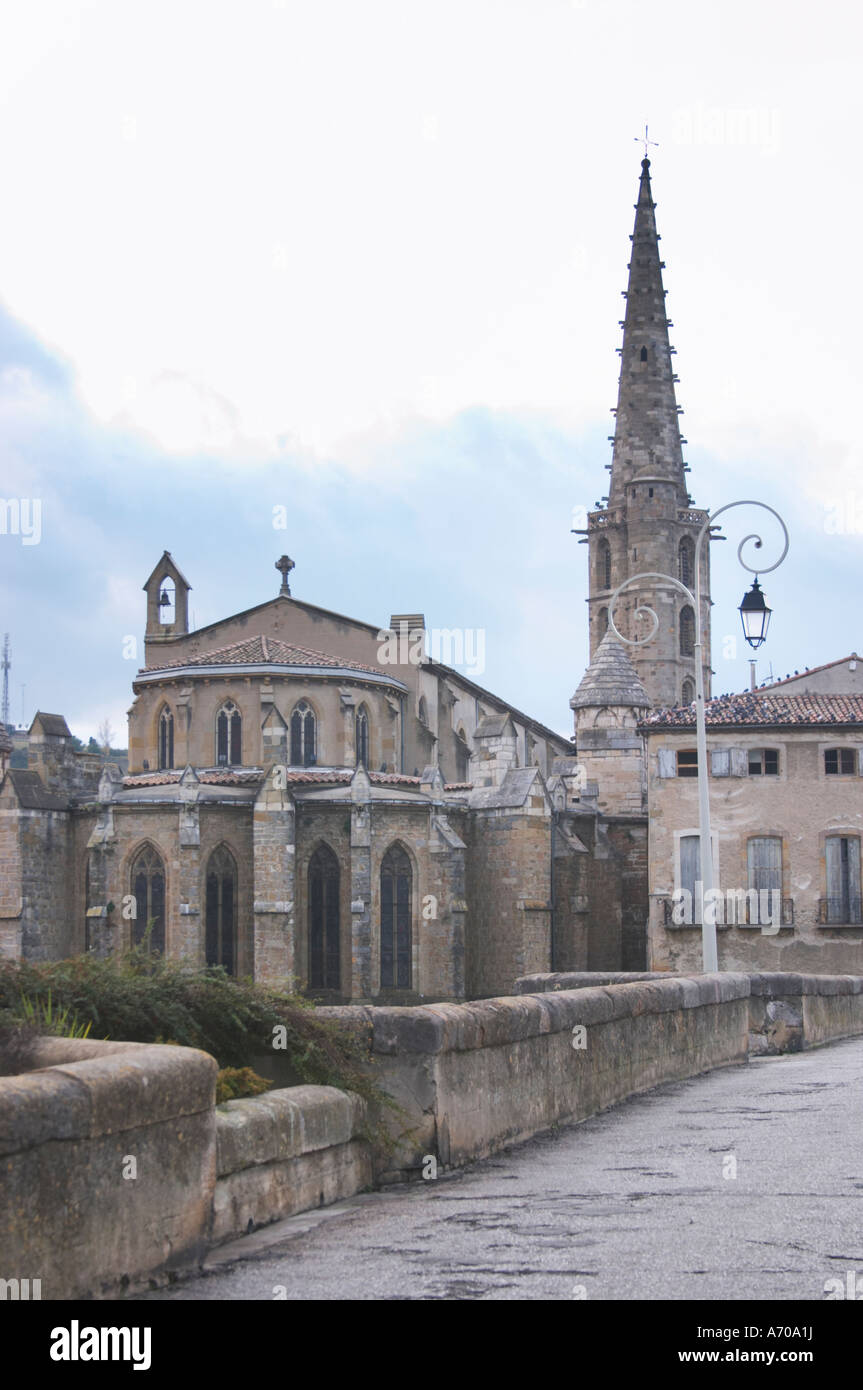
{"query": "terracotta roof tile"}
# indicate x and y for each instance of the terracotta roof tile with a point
(761, 709)
(258, 651)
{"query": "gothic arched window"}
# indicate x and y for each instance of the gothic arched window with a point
(166, 738)
(462, 757)
(396, 876)
(687, 631)
(303, 736)
(324, 943)
(221, 910)
(688, 692)
(643, 354)
(603, 621)
(686, 562)
(148, 890)
(604, 564)
(229, 741)
(362, 737)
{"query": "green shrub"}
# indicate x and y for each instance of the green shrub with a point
(141, 997)
(234, 1083)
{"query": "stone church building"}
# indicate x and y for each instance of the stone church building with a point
(311, 799)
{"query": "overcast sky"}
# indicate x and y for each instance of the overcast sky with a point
(364, 261)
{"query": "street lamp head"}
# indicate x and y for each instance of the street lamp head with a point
(755, 616)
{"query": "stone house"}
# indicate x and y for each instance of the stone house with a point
(786, 794)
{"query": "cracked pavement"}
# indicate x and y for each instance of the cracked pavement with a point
(636, 1203)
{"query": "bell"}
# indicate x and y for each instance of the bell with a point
(164, 601)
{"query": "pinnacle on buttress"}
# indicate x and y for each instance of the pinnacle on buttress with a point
(647, 438)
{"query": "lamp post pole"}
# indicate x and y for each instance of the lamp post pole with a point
(710, 959)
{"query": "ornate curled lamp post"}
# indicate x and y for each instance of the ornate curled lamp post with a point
(755, 617)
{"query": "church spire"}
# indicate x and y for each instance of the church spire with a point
(647, 435)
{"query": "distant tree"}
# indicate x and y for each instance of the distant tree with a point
(106, 733)
(92, 746)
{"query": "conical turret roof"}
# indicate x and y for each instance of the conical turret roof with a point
(610, 679)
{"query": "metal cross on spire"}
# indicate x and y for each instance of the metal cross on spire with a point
(285, 565)
(645, 141)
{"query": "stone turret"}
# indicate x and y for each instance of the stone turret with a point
(649, 524)
(607, 706)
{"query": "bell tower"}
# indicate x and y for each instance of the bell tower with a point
(649, 523)
(167, 592)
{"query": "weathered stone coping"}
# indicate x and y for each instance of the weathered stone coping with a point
(436, 1028)
(83, 1089)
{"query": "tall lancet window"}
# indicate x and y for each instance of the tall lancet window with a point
(362, 737)
(166, 738)
(396, 919)
(324, 942)
(604, 564)
(687, 631)
(686, 562)
(148, 890)
(221, 910)
(303, 749)
(229, 736)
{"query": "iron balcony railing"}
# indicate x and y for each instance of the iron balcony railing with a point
(845, 911)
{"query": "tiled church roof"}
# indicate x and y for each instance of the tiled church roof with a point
(258, 651)
(235, 777)
(760, 709)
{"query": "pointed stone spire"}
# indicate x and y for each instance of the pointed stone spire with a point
(647, 430)
(610, 680)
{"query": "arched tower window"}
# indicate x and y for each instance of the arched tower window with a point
(396, 875)
(686, 562)
(303, 736)
(229, 740)
(688, 692)
(687, 631)
(148, 890)
(362, 737)
(166, 738)
(604, 564)
(324, 943)
(167, 602)
(221, 910)
(643, 354)
(603, 622)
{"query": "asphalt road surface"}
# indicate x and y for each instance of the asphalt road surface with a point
(745, 1183)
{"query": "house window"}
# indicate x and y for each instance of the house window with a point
(687, 762)
(166, 738)
(687, 694)
(324, 944)
(604, 565)
(687, 632)
(842, 854)
(690, 872)
(763, 762)
(396, 919)
(303, 750)
(362, 737)
(148, 890)
(686, 561)
(764, 863)
(221, 909)
(229, 736)
(839, 761)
